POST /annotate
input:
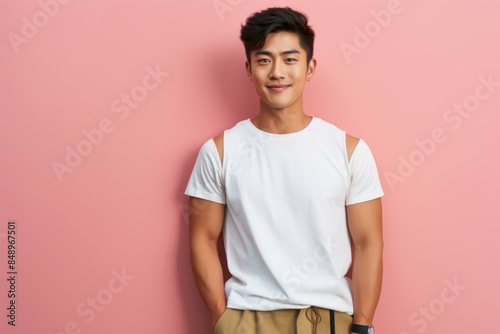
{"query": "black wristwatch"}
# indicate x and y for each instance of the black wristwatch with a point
(360, 329)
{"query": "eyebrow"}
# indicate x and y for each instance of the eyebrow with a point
(267, 53)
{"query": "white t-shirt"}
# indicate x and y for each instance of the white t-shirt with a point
(285, 231)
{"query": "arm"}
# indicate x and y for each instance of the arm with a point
(365, 225)
(205, 224)
(206, 220)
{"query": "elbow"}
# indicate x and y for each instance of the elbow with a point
(372, 244)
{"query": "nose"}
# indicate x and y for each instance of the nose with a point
(277, 71)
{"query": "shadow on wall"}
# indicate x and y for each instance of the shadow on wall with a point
(236, 101)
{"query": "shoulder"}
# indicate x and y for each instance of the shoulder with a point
(350, 142)
(240, 129)
(219, 144)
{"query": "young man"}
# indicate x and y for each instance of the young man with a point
(291, 193)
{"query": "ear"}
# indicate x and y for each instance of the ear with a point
(311, 69)
(248, 69)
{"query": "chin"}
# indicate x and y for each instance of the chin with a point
(278, 106)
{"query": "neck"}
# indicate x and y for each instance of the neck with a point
(281, 121)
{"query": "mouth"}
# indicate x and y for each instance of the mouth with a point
(277, 88)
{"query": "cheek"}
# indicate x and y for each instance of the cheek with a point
(298, 73)
(259, 78)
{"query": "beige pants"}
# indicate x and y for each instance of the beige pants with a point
(313, 320)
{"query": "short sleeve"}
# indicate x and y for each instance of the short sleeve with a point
(364, 180)
(206, 179)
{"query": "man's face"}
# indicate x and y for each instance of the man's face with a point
(279, 70)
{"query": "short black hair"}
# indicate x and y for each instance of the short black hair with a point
(275, 19)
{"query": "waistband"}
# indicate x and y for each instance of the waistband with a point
(315, 315)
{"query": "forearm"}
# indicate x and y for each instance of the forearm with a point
(367, 281)
(208, 276)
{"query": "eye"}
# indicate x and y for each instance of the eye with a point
(290, 60)
(263, 60)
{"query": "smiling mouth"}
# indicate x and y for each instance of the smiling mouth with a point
(278, 88)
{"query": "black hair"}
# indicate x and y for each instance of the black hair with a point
(275, 19)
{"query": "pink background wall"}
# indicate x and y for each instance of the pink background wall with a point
(133, 88)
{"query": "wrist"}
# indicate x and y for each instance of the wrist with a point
(363, 320)
(216, 312)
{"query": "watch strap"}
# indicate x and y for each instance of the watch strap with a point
(360, 329)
